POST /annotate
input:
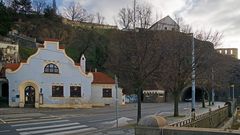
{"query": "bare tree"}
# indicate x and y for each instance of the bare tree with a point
(143, 15)
(184, 28)
(90, 18)
(39, 6)
(125, 18)
(214, 37)
(100, 18)
(135, 57)
(75, 12)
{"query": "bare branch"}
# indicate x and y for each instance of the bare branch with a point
(75, 12)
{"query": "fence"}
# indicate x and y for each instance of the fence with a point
(211, 119)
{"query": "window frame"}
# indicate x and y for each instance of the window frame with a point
(54, 89)
(51, 68)
(72, 90)
(107, 93)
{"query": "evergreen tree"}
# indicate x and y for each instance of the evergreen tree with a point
(5, 17)
(26, 6)
(15, 5)
(22, 6)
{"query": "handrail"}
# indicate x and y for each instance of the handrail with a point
(190, 121)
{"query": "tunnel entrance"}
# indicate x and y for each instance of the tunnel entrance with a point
(187, 94)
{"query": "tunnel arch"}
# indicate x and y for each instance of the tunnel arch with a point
(186, 94)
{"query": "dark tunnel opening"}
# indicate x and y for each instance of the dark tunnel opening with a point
(187, 94)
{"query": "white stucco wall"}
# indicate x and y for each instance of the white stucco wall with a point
(97, 96)
(32, 72)
(166, 22)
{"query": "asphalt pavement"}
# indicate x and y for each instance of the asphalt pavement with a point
(94, 121)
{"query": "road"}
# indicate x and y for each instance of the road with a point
(80, 121)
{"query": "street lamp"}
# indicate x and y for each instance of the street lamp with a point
(193, 74)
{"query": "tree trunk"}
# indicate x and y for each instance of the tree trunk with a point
(203, 99)
(139, 104)
(209, 99)
(176, 101)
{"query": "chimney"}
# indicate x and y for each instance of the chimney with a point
(83, 63)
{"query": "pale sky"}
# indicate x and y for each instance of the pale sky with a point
(218, 15)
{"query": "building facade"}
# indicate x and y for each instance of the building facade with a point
(154, 96)
(228, 51)
(166, 23)
(50, 78)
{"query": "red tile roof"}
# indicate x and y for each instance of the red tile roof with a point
(40, 46)
(77, 64)
(23, 61)
(61, 47)
(101, 78)
(13, 66)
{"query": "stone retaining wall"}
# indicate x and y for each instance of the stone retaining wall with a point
(183, 131)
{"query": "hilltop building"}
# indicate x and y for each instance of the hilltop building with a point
(228, 51)
(50, 78)
(9, 52)
(166, 23)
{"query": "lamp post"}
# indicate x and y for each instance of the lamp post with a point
(233, 97)
(213, 93)
(193, 74)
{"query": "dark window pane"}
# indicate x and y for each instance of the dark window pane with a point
(51, 68)
(75, 91)
(57, 91)
(107, 93)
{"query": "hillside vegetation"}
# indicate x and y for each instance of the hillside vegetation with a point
(142, 60)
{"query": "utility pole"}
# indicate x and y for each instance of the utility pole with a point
(193, 74)
(54, 6)
(233, 92)
(134, 15)
(213, 93)
(116, 87)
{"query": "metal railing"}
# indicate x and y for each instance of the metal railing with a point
(210, 119)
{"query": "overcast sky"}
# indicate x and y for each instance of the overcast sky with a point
(218, 15)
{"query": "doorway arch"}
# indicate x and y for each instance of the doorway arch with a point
(29, 94)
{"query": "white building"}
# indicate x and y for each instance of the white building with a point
(50, 78)
(166, 23)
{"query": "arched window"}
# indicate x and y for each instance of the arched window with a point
(51, 68)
